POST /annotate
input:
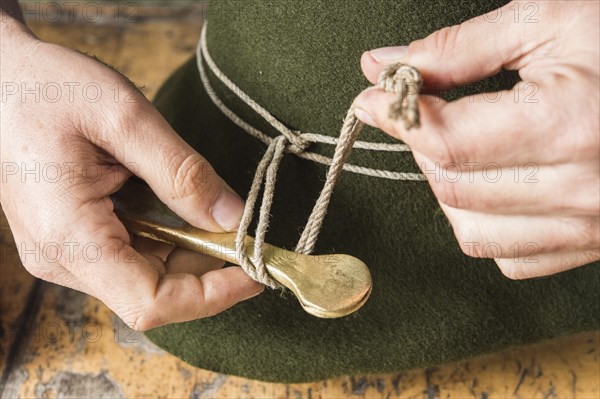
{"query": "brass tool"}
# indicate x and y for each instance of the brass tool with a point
(327, 286)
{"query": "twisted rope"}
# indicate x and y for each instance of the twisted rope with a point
(269, 164)
(202, 54)
(403, 80)
(398, 78)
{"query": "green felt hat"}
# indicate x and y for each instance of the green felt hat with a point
(430, 303)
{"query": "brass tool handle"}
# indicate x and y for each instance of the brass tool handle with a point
(327, 286)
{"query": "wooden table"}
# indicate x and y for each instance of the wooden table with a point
(59, 343)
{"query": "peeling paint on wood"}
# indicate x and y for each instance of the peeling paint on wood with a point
(68, 385)
(208, 388)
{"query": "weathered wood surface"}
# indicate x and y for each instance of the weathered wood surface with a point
(58, 343)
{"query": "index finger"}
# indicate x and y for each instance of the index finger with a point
(481, 128)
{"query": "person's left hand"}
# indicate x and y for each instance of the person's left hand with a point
(516, 172)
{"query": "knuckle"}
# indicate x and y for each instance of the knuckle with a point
(143, 320)
(204, 290)
(471, 249)
(214, 296)
(512, 270)
(448, 193)
(191, 177)
(443, 41)
(125, 117)
(468, 234)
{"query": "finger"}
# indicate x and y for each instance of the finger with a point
(374, 62)
(182, 297)
(567, 189)
(470, 51)
(126, 282)
(482, 128)
(176, 260)
(184, 261)
(145, 299)
(498, 236)
(545, 264)
(142, 140)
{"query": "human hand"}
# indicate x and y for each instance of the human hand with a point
(73, 131)
(529, 192)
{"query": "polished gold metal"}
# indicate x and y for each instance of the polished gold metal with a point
(327, 286)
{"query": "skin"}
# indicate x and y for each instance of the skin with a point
(542, 215)
(62, 218)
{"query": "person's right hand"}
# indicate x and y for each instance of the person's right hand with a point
(516, 172)
(73, 131)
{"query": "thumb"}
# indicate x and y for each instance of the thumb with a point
(178, 175)
(464, 53)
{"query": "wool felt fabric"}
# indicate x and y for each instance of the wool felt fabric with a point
(430, 302)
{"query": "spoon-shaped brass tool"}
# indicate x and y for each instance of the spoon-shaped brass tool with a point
(327, 286)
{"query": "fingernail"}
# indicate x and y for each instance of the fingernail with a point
(227, 210)
(386, 55)
(365, 117)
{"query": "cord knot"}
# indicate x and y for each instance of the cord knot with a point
(296, 144)
(405, 81)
